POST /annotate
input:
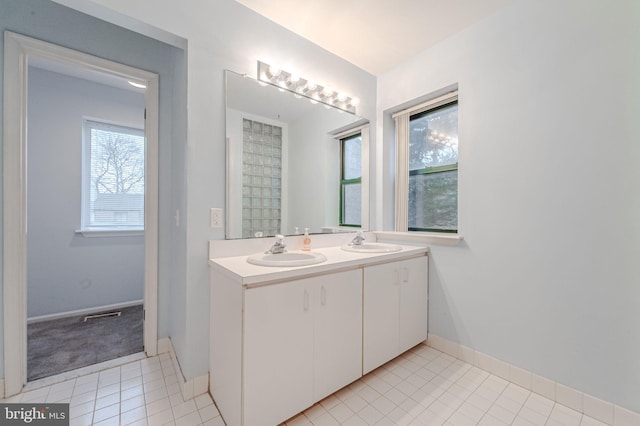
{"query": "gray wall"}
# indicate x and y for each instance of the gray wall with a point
(547, 276)
(67, 271)
(57, 24)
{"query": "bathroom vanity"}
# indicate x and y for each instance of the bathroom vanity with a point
(283, 338)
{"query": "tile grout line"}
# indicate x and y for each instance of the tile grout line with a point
(478, 387)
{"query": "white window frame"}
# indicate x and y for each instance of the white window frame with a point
(402, 131)
(88, 229)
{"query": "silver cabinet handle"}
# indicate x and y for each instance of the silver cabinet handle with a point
(323, 296)
(305, 301)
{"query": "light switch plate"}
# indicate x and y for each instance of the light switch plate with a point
(216, 218)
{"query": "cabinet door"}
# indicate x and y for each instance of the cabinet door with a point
(278, 352)
(381, 315)
(338, 331)
(413, 302)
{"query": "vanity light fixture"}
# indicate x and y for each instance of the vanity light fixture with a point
(302, 87)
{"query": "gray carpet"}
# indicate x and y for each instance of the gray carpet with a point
(65, 344)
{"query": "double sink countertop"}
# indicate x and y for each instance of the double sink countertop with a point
(244, 273)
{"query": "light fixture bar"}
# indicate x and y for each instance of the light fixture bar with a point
(305, 87)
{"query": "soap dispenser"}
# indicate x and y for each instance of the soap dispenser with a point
(306, 242)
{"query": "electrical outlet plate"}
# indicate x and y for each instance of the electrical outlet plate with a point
(216, 218)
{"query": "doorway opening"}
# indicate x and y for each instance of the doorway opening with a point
(92, 243)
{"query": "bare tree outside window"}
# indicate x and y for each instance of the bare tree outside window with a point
(118, 163)
(114, 183)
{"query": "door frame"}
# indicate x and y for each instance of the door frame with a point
(17, 50)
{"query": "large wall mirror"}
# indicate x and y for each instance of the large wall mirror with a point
(285, 163)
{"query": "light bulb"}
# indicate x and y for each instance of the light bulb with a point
(274, 70)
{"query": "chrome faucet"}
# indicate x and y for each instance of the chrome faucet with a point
(278, 246)
(357, 240)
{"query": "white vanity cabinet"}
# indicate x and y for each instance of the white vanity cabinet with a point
(278, 352)
(395, 309)
(283, 339)
(278, 348)
(302, 342)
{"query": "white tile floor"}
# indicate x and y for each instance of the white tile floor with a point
(421, 387)
(427, 387)
(144, 392)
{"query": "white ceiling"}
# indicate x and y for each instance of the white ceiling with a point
(375, 35)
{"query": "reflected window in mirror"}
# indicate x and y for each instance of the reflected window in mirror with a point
(351, 180)
(261, 178)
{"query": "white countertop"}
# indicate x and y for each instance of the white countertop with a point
(238, 269)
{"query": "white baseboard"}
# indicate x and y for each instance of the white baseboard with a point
(86, 311)
(164, 345)
(189, 388)
(606, 412)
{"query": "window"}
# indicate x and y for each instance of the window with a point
(113, 184)
(351, 181)
(261, 178)
(433, 169)
(427, 143)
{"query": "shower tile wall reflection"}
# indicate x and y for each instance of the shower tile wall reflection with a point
(261, 178)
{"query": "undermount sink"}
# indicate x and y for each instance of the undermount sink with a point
(292, 258)
(372, 248)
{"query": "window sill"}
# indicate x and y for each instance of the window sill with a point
(92, 233)
(420, 237)
(339, 229)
